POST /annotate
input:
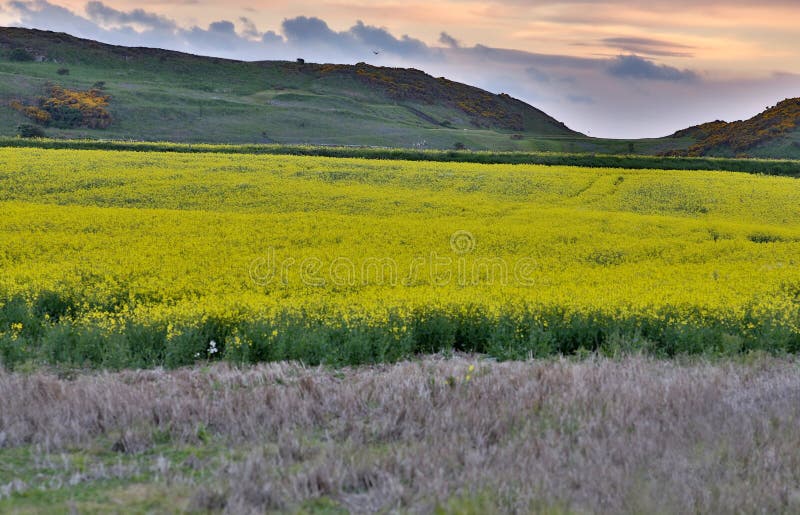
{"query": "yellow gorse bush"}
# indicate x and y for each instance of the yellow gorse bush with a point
(84, 108)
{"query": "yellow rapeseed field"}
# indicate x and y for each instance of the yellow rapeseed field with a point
(256, 253)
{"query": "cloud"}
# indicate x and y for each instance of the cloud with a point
(381, 39)
(310, 30)
(448, 40)
(249, 29)
(537, 74)
(44, 15)
(360, 37)
(521, 57)
(220, 38)
(223, 27)
(580, 99)
(271, 38)
(101, 13)
(649, 46)
(635, 67)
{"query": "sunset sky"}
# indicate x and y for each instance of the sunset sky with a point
(606, 67)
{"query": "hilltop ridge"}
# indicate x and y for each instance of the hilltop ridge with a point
(773, 133)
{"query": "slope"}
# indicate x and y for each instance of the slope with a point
(165, 95)
(773, 133)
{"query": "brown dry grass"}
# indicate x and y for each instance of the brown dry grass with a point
(598, 436)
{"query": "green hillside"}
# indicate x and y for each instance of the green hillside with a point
(774, 133)
(160, 95)
(164, 95)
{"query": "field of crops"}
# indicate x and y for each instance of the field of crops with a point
(117, 259)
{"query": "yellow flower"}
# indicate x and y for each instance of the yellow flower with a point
(644, 250)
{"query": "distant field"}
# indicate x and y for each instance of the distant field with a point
(119, 259)
(783, 167)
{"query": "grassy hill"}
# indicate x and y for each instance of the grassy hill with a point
(774, 133)
(164, 95)
(159, 95)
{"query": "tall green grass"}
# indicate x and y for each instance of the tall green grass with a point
(789, 168)
(41, 331)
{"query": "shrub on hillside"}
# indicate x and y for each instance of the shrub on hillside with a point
(27, 130)
(33, 112)
(65, 108)
(20, 55)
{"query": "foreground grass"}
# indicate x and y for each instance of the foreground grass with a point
(632, 435)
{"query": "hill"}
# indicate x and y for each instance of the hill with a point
(153, 94)
(77, 88)
(772, 133)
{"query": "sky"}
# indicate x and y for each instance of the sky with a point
(607, 68)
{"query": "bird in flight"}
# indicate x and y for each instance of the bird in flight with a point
(376, 52)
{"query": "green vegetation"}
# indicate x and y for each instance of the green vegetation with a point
(789, 168)
(168, 96)
(27, 130)
(482, 108)
(20, 55)
(159, 95)
(761, 135)
(668, 263)
(64, 108)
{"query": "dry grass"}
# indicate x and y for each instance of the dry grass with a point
(596, 435)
